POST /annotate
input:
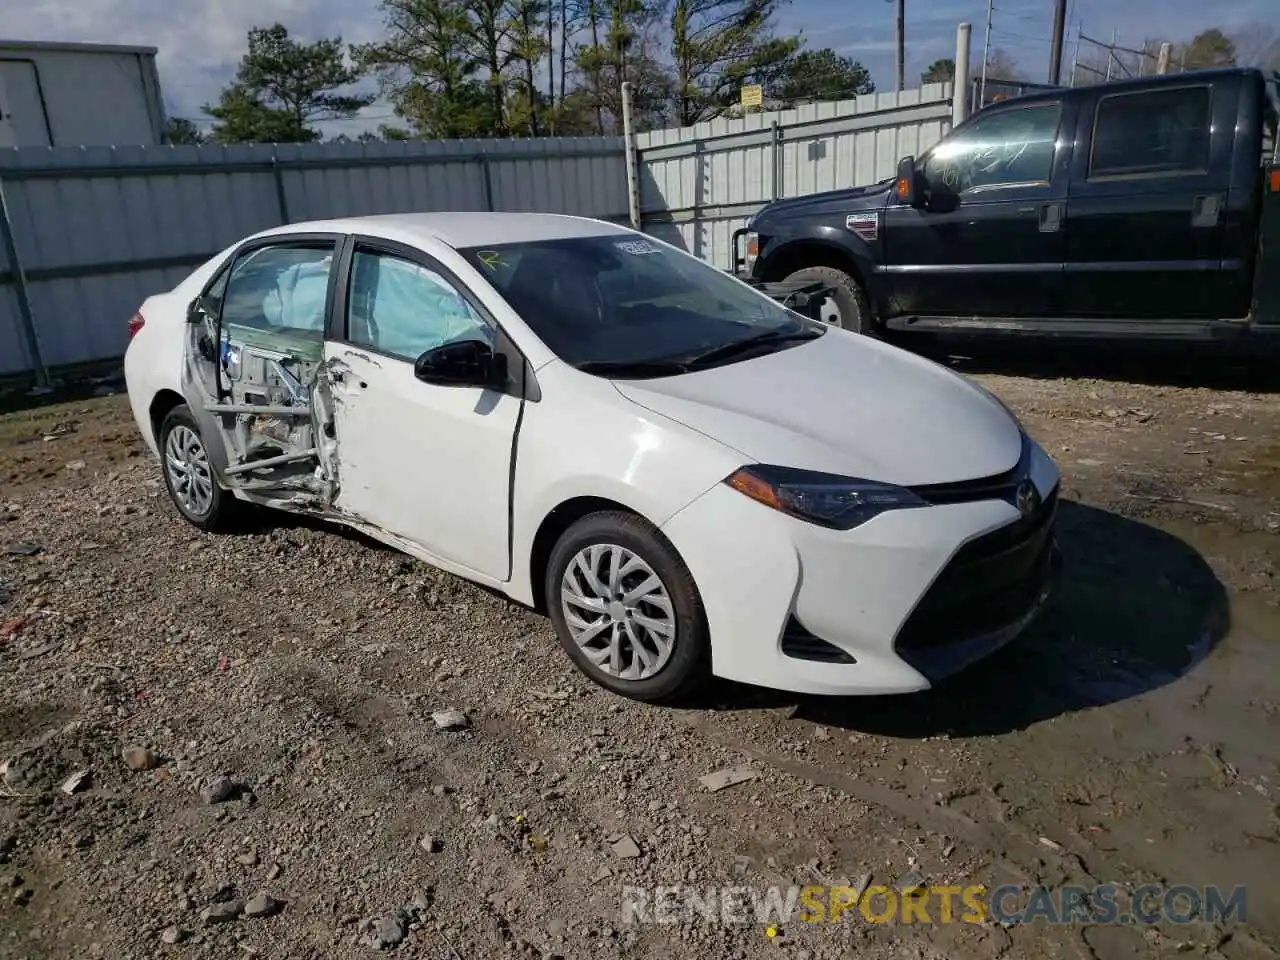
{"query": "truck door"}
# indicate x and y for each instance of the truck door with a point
(987, 241)
(1146, 211)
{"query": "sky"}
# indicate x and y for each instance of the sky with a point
(200, 41)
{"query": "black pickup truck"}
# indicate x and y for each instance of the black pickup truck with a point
(1143, 208)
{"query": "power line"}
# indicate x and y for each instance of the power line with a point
(1023, 37)
(361, 118)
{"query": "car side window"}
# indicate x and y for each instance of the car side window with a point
(404, 309)
(279, 288)
(1012, 145)
(1156, 132)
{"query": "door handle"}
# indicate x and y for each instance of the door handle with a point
(1206, 210)
(1050, 218)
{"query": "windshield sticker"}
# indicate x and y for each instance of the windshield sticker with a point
(491, 259)
(636, 247)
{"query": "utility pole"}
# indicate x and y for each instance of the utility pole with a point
(986, 55)
(1055, 54)
(902, 45)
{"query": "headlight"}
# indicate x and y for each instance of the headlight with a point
(751, 250)
(840, 503)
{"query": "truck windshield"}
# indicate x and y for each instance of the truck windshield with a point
(608, 302)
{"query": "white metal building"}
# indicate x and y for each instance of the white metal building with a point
(78, 94)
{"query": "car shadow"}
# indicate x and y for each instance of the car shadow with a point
(1136, 609)
(258, 521)
(1250, 365)
(261, 521)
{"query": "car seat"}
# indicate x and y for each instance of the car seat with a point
(557, 295)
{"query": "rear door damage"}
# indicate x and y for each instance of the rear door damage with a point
(254, 365)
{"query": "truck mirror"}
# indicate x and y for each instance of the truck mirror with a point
(904, 188)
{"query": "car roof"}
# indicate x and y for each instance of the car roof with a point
(461, 229)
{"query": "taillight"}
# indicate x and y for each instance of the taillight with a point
(135, 324)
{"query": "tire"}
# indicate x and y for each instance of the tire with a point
(655, 678)
(850, 298)
(200, 500)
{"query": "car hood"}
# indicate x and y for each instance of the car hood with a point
(844, 404)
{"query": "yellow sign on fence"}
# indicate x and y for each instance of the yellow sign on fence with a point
(753, 95)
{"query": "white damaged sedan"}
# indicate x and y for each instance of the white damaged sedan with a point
(686, 476)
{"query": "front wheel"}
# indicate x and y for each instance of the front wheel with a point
(626, 608)
(847, 307)
(188, 474)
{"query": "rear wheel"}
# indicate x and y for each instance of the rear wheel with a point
(847, 307)
(626, 608)
(188, 474)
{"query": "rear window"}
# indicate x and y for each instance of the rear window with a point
(1156, 132)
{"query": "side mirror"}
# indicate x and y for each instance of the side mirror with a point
(904, 187)
(463, 363)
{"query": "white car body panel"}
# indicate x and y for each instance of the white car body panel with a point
(429, 469)
(846, 405)
(622, 453)
(153, 360)
(430, 464)
(853, 588)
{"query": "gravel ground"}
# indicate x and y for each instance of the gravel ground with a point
(1133, 735)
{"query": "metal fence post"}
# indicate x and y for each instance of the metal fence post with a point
(26, 318)
(488, 180)
(960, 82)
(631, 160)
(775, 161)
(278, 173)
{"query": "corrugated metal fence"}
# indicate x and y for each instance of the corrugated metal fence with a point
(698, 184)
(88, 233)
(96, 230)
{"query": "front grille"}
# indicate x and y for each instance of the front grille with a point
(799, 643)
(990, 583)
(1002, 486)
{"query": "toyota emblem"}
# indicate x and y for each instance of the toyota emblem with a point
(1027, 498)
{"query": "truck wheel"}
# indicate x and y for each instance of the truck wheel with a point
(851, 311)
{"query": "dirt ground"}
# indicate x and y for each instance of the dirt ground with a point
(1131, 736)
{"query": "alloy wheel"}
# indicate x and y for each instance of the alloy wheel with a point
(618, 611)
(187, 464)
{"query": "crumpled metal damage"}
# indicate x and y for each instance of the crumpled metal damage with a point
(268, 395)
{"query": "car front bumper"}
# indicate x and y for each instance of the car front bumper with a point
(892, 606)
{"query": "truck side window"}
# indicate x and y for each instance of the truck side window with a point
(1006, 146)
(1156, 132)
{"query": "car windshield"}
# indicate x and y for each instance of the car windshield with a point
(625, 305)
